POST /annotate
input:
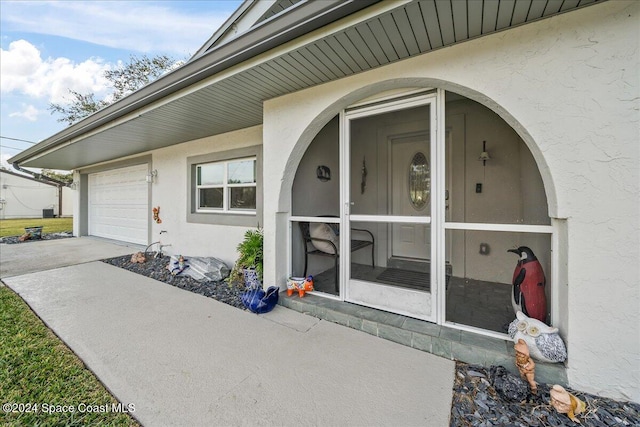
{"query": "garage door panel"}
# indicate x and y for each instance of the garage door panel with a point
(118, 204)
(120, 214)
(115, 232)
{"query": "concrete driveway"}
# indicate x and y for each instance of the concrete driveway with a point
(30, 257)
(183, 359)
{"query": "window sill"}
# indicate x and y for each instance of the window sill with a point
(217, 212)
(245, 219)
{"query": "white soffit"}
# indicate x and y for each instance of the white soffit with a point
(381, 34)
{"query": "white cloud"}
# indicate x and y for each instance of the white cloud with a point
(24, 71)
(142, 26)
(30, 113)
(3, 161)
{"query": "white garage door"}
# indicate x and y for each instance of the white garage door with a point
(119, 204)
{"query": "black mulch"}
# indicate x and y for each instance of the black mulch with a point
(476, 402)
(156, 268)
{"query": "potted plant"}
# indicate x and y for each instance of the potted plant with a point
(249, 263)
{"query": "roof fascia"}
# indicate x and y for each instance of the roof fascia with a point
(224, 29)
(19, 175)
(301, 20)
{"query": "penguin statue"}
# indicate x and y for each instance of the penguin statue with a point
(528, 285)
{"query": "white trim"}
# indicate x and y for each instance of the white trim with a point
(554, 293)
(401, 312)
(519, 228)
(438, 208)
(479, 331)
(328, 220)
(398, 104)
(225, 186)
(345, 237)
(326, 295)
(392, 219)
(396, 95)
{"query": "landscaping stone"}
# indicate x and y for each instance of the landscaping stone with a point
(156, 268)
(508, 386)
(477, 402)
(11, 240)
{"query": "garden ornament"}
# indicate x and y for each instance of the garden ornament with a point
(526, 365)
(528, 285)
(544, 342)
(259, 301)
(178, 267)
(156, 215)
(300, 285)
(566, 403)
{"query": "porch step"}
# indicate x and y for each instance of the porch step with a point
(442, 341)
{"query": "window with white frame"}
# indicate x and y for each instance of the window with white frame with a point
(226, 186)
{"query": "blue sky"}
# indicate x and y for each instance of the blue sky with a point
(49, 47)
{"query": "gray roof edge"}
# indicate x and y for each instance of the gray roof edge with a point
(235, 16)
(19, 175)
(301, 20)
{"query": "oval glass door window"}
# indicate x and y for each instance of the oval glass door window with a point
(419, 181)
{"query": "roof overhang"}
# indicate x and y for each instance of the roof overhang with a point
(309, 44)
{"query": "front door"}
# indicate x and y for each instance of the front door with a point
(410, 196)
(386, 191)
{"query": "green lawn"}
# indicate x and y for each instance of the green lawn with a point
(37, 368)
(15, 227)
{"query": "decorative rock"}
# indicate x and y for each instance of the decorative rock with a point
(508, 386)
(155, 268)
(475, 373)
(469, 399)
(10, 240)
(138, 258)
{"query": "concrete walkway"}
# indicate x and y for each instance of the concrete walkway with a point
(184, 359)
(29, 257)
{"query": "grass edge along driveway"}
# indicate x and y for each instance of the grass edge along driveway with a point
(15, 227)
(40, 376)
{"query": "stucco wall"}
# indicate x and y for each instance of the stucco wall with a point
(25, 198)
(67, 201)
(170, 193)
(569, 87)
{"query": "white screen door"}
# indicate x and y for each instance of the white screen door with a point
(386, 191)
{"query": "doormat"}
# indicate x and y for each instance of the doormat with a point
(406, 278)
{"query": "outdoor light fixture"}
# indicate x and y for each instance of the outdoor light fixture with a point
(152, 175)
(73, 185)
(484, 156)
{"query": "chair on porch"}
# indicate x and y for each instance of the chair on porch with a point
(330, 249)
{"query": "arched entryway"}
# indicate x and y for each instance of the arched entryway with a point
(427, 189)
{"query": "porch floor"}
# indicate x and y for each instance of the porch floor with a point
(453, 344)
(481, 304)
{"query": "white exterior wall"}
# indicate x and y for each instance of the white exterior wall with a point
(25, 198)
(569, 87)
(170, 192)
(67, 201)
